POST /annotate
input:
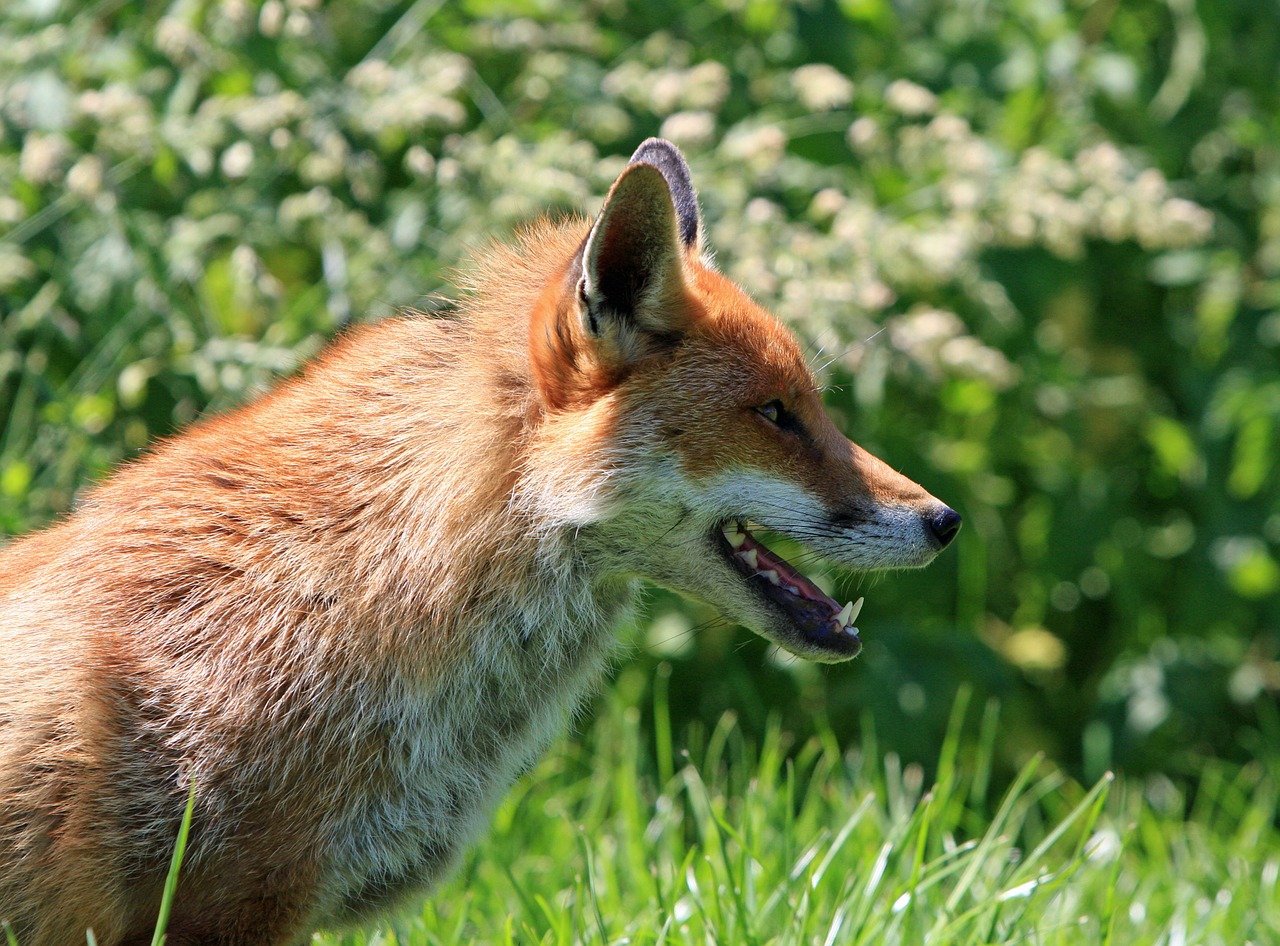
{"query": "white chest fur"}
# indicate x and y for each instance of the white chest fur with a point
(451, 749)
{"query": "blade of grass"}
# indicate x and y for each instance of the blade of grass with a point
(1091, 803)
(175, 866)
(592, 894)
(662, 723)
(1012, 797)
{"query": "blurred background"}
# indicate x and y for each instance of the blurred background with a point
(1033, 245)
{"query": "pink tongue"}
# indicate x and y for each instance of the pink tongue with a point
(768, 561)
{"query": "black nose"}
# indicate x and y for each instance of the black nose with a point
(943, 526)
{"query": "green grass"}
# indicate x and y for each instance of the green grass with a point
(175, 869)
(819, 844)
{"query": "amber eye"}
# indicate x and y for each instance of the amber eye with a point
(773, 412)
(778, 415)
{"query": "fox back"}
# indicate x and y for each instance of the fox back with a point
(350, 613)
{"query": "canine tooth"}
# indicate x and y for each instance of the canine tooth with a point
(735, 536)
(751, 557)
(857, 609)
(845, 615)
(771, 576)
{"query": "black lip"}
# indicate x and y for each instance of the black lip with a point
(812, 619)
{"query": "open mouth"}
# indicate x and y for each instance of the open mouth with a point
(822, 623)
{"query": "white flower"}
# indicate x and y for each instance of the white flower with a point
(1102, 164)
(178, 41)
(43, 157)
(85, 176)
(261, 115)
(271, 19)
(864, 135)
(1150, 185)
(706, 86)
(237, 160)
(875, 295)
(820, 87)
(924, 330)
(826, 204)
(760, 211)
(11, 210)
(910, 100)
(419, 162)
(962, 194)
(1185, 223)
(950, 128)
(693, 129)
(968, 356)
(942, 251)
(761, 146)
(14, 267)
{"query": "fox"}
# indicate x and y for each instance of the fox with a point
(346, 616)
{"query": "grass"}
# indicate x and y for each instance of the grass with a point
(175, 869)
(774, 844)
(609, 842)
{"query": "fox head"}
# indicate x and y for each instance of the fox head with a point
(698, 410)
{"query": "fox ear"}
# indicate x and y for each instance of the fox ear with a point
(623, 296)
(630, 289)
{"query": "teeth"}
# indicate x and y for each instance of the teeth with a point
(843, 617)
(751, 557)
(735, 536)
(770, 576)
(849, 613)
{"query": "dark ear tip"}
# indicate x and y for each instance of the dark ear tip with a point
(671, 164)
(655, 150)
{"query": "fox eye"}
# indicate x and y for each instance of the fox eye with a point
(772, 412)
(776, 413)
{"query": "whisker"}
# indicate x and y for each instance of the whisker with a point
(851, 349)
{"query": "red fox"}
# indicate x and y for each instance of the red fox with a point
(351, 612)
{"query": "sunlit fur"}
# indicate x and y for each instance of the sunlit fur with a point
(353, 611)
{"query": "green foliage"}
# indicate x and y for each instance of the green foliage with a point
(1035, 248)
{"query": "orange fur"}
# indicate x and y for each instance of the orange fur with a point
(353, 610)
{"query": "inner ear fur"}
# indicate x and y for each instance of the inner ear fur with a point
(667, 158)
